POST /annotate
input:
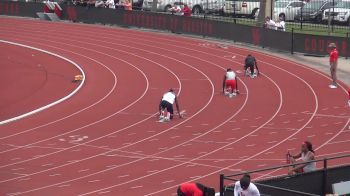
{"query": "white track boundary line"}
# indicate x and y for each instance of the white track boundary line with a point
(55, 102)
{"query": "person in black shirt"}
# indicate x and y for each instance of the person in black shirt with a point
(250, 62)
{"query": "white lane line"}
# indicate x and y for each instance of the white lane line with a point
(168, 181)
(92, 181)
(103, 192)
(124, 176)
(53, 175)
(338, 142)
(136, 187)
(48, 164)
(16, 169)
(109, 166)
(55, 102)
(152, 171)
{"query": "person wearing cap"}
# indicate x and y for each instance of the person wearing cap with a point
(333, 61)
(230, 83)
(166, 110)
(306, 154)
(244, 187)
(194, 189)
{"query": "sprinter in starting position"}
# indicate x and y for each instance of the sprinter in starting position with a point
(251, 66)
(229, 85)
(166, 110)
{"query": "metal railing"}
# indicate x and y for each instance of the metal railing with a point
(324, 170)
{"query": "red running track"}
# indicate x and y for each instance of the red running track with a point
(105, 139)
(27, 78)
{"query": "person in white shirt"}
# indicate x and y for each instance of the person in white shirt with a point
(176, 9)
(166, 110)
(270, 24)
(99, 3)
(230, 83)
(307, 154)
(110, 4)
(244, 187)
(281, 25)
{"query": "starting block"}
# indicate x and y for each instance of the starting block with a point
(78, 78)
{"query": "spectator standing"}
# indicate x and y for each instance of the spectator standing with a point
(244, 187)
(127, 5)
(187, 11)
(307, 154)
(333, 62)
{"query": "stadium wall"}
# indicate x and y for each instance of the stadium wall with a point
(283, 41)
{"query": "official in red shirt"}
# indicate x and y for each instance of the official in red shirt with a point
(333, 61)
(194, 189)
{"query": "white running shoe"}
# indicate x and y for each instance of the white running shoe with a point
(166, 119)
(232, 95)
(161, 117)
(332, 86)
(227, 93)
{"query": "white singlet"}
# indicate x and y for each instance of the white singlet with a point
(310, 166)
(169, 97)
(230, 75)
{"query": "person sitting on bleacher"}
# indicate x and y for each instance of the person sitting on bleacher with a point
(244, 187)
(307, 154)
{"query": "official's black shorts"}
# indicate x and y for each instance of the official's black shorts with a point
(168, 106)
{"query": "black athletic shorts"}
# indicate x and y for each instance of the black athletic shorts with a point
(168, 106)
(249, 66)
